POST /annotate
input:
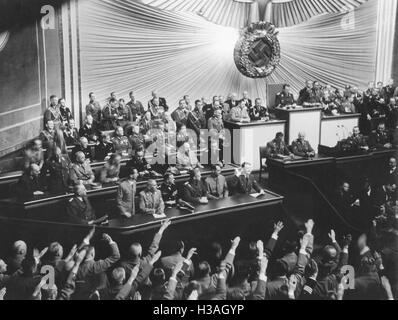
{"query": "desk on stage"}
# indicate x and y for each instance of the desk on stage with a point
(337, 128)
(106, 191)
(329, 171)
(237, 207)
(300, 119)
(247, 138)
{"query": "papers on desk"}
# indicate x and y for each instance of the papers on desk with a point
(256, 195)
(160, 216)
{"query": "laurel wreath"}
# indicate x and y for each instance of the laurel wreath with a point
(249, 36)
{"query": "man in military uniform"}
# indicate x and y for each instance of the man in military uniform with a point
(180, 115)
(81, 172)
(110, 115)
(94, 109)
(65, 112)
(137, 140)
(358, 139)
(151, 201)
(58, 169)
(306, 93)
(82, 147)
(240, 113)
(125, 200)
(216, 121)
(162, 101)
(246, 101)
(48, 134)
(90, 129)
(217, 184)
(169, 190)
(277, 147)
(302, 147)
(136, 107)
(284, 98)
(186, 158)
(259, 112)
(79, 208)
(196, 118)
(139, 162)
(195, 190)
(52, 113)
(380, 138)
(244, 182)
(120, 142)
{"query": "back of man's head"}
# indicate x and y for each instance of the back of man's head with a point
(178, 246)
(280, 268)
(203, 270)
(158, 277)
(29, 266)
(118, 276)
(19, 248)
(135, 250)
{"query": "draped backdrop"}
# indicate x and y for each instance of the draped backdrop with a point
(127, 45)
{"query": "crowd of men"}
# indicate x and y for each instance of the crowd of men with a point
(255, 272)
(122, 130)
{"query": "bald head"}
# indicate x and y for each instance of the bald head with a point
(135, 251)
(20, 247)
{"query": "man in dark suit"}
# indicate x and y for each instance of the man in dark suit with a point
(89, 130)
(305, 94)
(168, 263)
(30, 184)
(125, 200)
(79, 208)
(244, 182)
(391, 180)
(195, 190)
(92, 273)
(135, 251)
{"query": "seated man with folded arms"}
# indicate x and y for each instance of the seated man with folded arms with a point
(187, 159)
(302, 147)
(81, 172)
(125, 200)
(195, 190)
(244, 182)
(277, 147)
(151, 201)
(30, 184)
(79, 208)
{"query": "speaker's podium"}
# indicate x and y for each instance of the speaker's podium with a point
(299, 119)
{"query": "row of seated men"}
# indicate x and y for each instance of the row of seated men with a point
(152, 200)
(379, 139)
